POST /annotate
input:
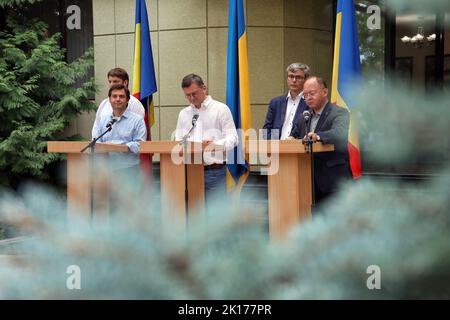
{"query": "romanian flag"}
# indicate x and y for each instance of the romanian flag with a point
(144, 81)
(347, 75)
(238, 92)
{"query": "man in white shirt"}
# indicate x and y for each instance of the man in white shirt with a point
(116, 76)
(286, 110)
(214, 125)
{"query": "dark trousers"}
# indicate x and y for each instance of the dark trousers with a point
(215, 184)
(320, 198)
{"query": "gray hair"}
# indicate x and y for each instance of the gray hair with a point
(192, 78)
(299, 66)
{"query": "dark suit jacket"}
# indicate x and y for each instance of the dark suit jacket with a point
(332, 128)
(276, 114)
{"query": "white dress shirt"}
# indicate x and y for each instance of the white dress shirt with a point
(215, 123)
(105, 109)
(291, 109)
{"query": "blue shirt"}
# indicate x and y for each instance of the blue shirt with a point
(130, 130)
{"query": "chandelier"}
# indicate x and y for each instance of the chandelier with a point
(419, 40)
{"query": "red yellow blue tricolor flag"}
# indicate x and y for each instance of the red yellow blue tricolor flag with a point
(347, 75)
(144, 81)
(238, 93)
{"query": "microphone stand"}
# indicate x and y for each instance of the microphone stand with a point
(184, 143)
(91, 145)
(309, 149)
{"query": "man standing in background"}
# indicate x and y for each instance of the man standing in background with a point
(117, 76)
(284, 111)
(126, 128)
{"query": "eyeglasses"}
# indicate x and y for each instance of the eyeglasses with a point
(296, 78)
(193, 94)
(311, 94)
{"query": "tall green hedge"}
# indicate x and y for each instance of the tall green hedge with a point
(38, 95)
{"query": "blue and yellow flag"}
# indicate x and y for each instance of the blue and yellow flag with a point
(144, 81)
(347, 75)
(238, 92)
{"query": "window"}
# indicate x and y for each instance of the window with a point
(63, 16)
(371, 40)
(372, 46)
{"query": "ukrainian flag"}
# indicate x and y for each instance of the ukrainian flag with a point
(238, 92)
(347, 75)
(144, 81)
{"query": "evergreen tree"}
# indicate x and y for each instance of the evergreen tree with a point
(38, 95)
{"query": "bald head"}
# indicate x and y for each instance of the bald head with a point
(315, 92)
(320, 81)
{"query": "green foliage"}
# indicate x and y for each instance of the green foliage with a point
(38, 95)
(402, 128)
(2, 231)
(225, 253)
(11, 3)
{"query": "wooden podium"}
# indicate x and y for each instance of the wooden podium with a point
(173, 175)
(289, 181)
(79, 187)
(289, 177)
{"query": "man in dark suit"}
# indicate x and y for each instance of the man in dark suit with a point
(329, 125)
(284, 111)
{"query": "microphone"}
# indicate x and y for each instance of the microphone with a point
(306, 115)
(194, 119)
(112, 121)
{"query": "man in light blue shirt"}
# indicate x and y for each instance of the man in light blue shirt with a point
(127, 128)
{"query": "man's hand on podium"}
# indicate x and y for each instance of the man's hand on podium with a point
(313, 136)
(209, 145)
(206, 143)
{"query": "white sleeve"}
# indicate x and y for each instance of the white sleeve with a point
(136, 106)
(179, 129)
(97, 117)
(229, 133)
